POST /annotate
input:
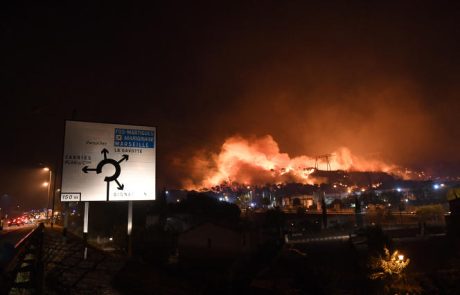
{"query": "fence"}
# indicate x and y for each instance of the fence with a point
(23, 274)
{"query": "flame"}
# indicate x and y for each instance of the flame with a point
(260, 161)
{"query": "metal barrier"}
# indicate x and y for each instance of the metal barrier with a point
(24, 272)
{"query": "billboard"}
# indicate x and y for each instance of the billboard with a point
(108, 162)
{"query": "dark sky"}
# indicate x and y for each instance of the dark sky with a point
(380, 77)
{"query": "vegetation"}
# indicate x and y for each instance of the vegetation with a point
(388, 265)
(389, 271)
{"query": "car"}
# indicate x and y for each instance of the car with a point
(26, 219)
(16, 221)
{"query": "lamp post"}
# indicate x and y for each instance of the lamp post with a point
(49, 189)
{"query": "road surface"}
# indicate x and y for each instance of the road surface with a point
(9, 237)
(14, 234)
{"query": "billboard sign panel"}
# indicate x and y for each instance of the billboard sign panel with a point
(108, 162)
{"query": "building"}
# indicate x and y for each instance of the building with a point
(292, 202)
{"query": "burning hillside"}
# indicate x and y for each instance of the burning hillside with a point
(258, 161)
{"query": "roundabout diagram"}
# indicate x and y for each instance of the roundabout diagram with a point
(116, 165)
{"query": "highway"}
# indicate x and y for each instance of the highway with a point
(13, 234)
(9, 237)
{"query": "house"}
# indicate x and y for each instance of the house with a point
(306, 201)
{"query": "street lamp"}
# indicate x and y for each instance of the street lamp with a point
(49, 188)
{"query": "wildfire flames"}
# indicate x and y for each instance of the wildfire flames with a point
(259, 161)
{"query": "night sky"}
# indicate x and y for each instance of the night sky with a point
(377, 77)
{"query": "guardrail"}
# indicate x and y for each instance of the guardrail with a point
(23, 274)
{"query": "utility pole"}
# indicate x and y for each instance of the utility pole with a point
(326, 158)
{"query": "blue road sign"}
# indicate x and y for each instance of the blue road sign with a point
(134, 138)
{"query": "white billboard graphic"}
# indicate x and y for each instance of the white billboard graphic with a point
(108, 162)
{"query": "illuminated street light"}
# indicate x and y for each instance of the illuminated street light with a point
(400, 257)
(48, 184)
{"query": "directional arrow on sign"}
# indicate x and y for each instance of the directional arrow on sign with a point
(105, 152)
(125, 157)
(86, 169)
(120, 186)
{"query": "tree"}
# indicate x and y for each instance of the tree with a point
(387, 265)
(389, 269)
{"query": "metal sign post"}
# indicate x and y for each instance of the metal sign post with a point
(66, 220)
(85, 229)
(130, 227)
